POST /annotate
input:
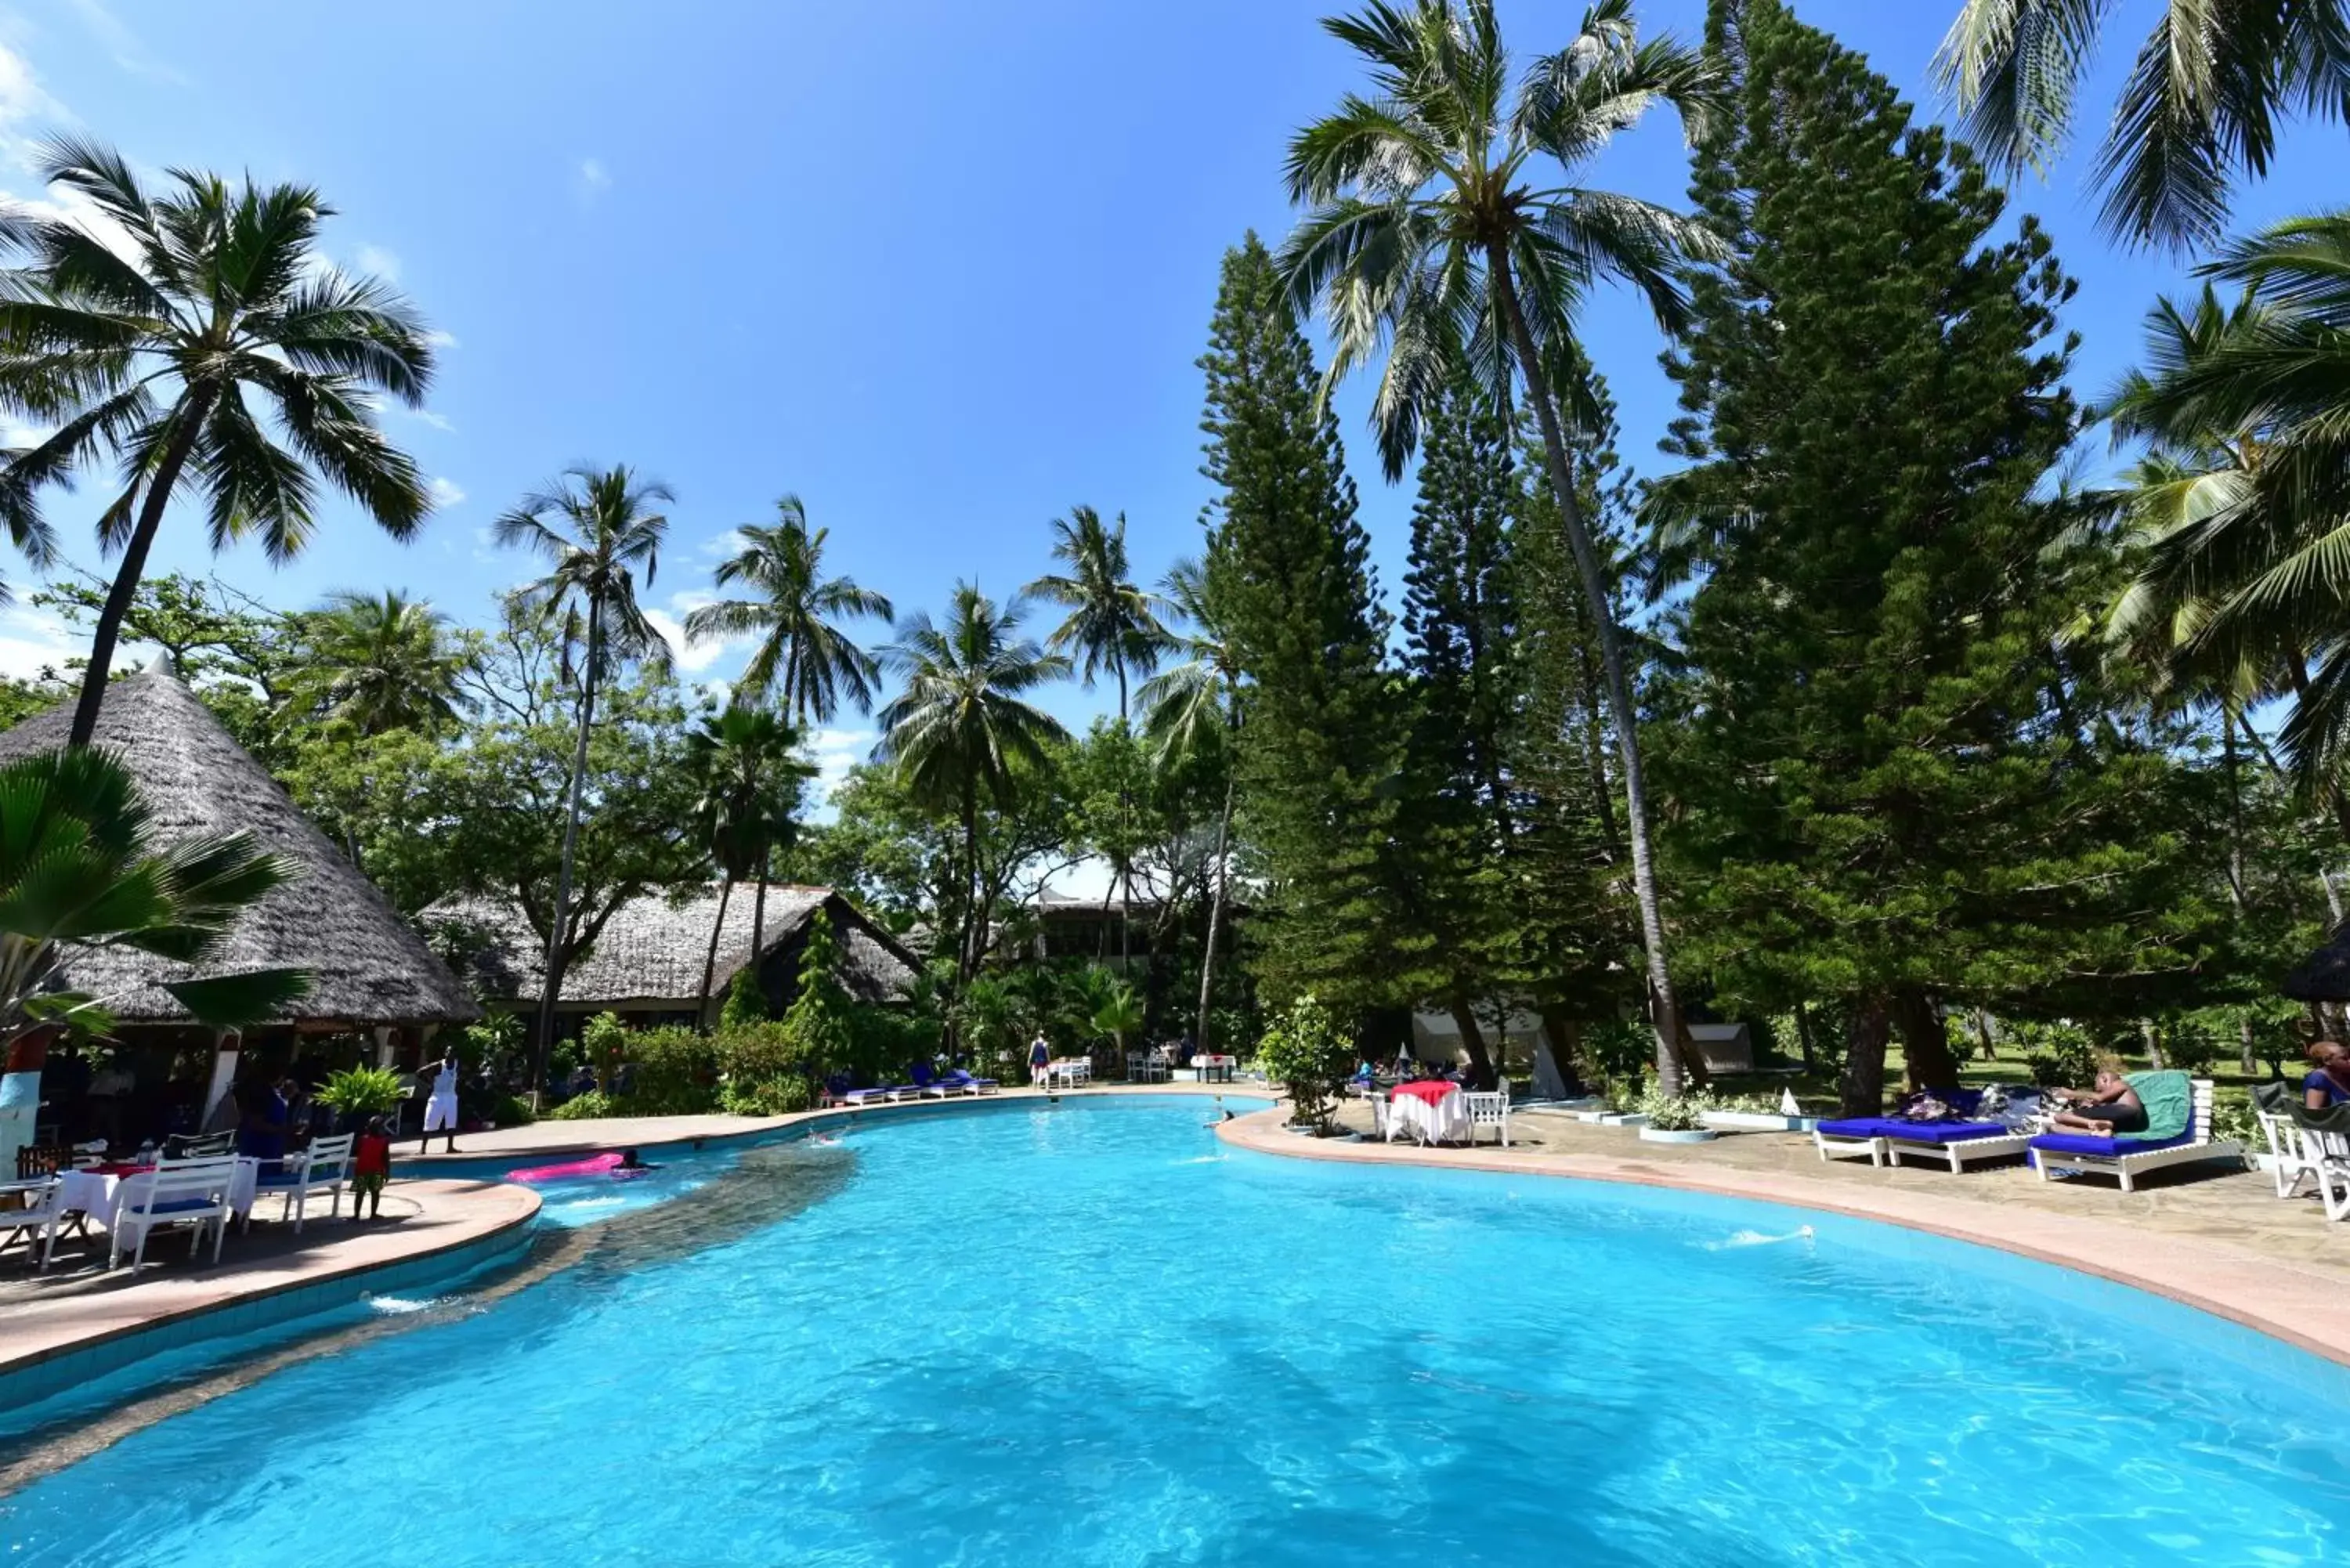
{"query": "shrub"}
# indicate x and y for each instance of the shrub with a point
(1613, 1049)
(604, 1040)
(1307, 1052)
(511, 1111)
(2058, 1055)
(361, 1091)
(768, 1097)
(745, 1003)
(581, 1107)
(1676, 1113)
(674, 1072)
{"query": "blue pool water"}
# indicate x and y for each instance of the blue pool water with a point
(1086, 1335)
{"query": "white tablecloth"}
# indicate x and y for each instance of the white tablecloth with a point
(1447, 1121)
(101, 1196)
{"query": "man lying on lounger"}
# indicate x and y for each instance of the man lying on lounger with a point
(2113, 1107)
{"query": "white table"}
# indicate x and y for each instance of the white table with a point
(1447, 1121)
(100, 1195)
(1215, 1069)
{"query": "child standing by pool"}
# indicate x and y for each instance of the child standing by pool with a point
(371, 1168)
(1040, 1061)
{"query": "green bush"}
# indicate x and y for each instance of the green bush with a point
(1308, 1052)
(2059, 1055)
(361, 1091)
(511, 1111)
(673, 1069)
(1676, 1113)
(582, 1107)
(745, 1003)
(768, 1097)
(1614, 1049)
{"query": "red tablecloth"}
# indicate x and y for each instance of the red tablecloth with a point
(1431, 1090)
(120, 1169)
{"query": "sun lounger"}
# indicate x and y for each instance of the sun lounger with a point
(961, 1082)
(2127, 1158)
(872, 1096)
(1885, 1139)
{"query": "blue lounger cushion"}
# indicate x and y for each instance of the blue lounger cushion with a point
(2085, 1143)
(1911, 1132)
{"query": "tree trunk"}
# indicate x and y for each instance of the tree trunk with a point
(1472, 1039)
(1926, 1058)
(557, 957)
(1216, 901)
(759, 926)
(2247, 1058)
(969, 965)
(2152, 1036)
(1862, 1091)
(1671, 1059)
(791, 703)
(109, 630)
(1124, 837)
(710, 959)
(1803, 1037)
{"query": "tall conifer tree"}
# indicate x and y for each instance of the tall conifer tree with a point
(1322, 742)
(1891, 792)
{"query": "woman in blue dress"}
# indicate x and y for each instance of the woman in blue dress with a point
(2328, 1083)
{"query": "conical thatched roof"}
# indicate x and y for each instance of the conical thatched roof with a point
(653, 947)
(366, 966)
(2324, 975)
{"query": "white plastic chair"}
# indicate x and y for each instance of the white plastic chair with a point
(324, 1167)
(1379, 1124)
(195, 1196)
(2292, 1161)
(37, 1206)
(1490, 1110)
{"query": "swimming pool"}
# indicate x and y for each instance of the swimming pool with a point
(1085, 1334)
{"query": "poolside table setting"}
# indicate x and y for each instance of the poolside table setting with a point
(1428, 1110)
(1215, 1068)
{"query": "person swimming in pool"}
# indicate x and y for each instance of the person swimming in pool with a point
(630, 1165)
(2113, 1107)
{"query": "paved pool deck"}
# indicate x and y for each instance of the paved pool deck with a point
(79, 1301)
(2211, 1235)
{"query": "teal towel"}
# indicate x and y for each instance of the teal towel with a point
(2169, 1104)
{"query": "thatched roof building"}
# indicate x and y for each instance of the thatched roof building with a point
(646, 963)
(368, 969)
(2324, 975)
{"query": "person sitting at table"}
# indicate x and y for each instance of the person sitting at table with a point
(2328, 1083)
(265, 1111)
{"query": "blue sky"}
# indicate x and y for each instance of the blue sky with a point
(942, 269)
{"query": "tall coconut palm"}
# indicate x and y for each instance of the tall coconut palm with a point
(963, 726)
(795, 614)
(1193, 706)
(749, 790)
(2200, 107)
(1112, 625)
(2244, 510)
(596, 528)
(149, 345)
(379, 662)
(1433, 238)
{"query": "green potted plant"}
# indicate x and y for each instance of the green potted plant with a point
(1676, 1118)
(356, 1094)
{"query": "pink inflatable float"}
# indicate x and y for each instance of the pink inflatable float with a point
(593, 1165)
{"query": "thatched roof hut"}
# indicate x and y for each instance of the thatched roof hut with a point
(648, 958)
(2324, 975)
(368, 969)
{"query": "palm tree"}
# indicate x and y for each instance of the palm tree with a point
(1112, 625)
(148, 353)
(1431, 240)
(596, 527)
(2242, 511)
(81, 868)
(2200, 105)
(1120, 1015)
(379, 662)
(1189, 708)
(962, 725)
(749, 803)
(795, 615)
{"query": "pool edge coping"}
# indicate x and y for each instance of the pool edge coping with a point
(2178, 1260)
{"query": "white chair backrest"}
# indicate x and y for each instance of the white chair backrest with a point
(2200, 1123)
(1379, 1113)
(1487, 1110)
(157, 1188)
(333, 1152)
(221, 1164)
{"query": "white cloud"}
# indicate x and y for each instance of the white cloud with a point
(33, 640)
(593, 180)
(834, 753)
(124, 46)
(440, 339)
(693, 658)
(426, 417)
(445, 492)
(720, 546)
(384, 264)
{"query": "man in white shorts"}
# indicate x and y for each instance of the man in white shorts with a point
(441, 1110)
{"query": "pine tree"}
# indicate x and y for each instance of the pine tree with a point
(1457, 822)
(1322, 741)
(1890, 791)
